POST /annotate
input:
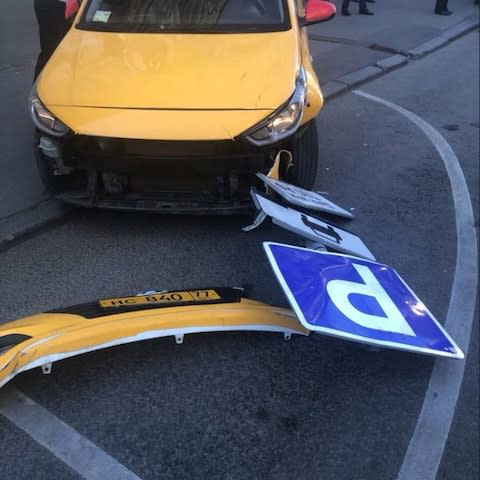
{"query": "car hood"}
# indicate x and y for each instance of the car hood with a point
(171, 71)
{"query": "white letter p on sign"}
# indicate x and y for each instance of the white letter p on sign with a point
(340, 290)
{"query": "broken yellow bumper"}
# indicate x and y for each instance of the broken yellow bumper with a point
(40, 340)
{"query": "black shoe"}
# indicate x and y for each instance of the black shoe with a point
(365, 11)
(443, 12)
(345, 13)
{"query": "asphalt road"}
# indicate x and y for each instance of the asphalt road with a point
(237, 405)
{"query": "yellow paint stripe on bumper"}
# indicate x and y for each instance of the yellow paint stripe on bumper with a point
(56, 336)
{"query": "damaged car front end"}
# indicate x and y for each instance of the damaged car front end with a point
(176, 111)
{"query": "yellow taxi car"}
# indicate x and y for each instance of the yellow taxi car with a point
(174, 105)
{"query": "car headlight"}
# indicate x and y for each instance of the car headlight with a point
(284, 121)
(43, 119)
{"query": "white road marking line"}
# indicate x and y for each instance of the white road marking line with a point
(91, 462)
(433, 425)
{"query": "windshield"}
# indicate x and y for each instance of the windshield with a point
(189, 16)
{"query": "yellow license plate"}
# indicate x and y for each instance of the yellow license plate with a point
(177, 298)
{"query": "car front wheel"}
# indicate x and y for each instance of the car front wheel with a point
(304, 148)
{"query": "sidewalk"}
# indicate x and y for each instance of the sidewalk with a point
(347, 51)
(351, 50)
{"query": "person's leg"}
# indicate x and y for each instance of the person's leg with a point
(440, 6)
(52, 27)
(362, 8)
(345, 4)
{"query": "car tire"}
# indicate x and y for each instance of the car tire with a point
(304, 148)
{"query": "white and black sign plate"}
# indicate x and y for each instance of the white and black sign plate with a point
(311, 227)
(303, 198)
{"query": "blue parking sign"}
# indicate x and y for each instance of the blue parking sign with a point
(357, 299)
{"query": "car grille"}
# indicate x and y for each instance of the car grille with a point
(133, 156)
(160, 175)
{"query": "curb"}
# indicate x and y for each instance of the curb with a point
(452, 33)
(30, 220)
(347, 82)
(365, 74)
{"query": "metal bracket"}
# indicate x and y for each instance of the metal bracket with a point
(151, 292)
(179, 339)
(320, 247)
(261, 216)
(47, 368)
(92, 185)
(287, 336)
(113, 183)
(51, 148)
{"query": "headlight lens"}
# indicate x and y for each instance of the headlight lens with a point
(43, 119)
(283, 122)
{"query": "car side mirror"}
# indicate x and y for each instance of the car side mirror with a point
(71, 10)
(317, 11)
